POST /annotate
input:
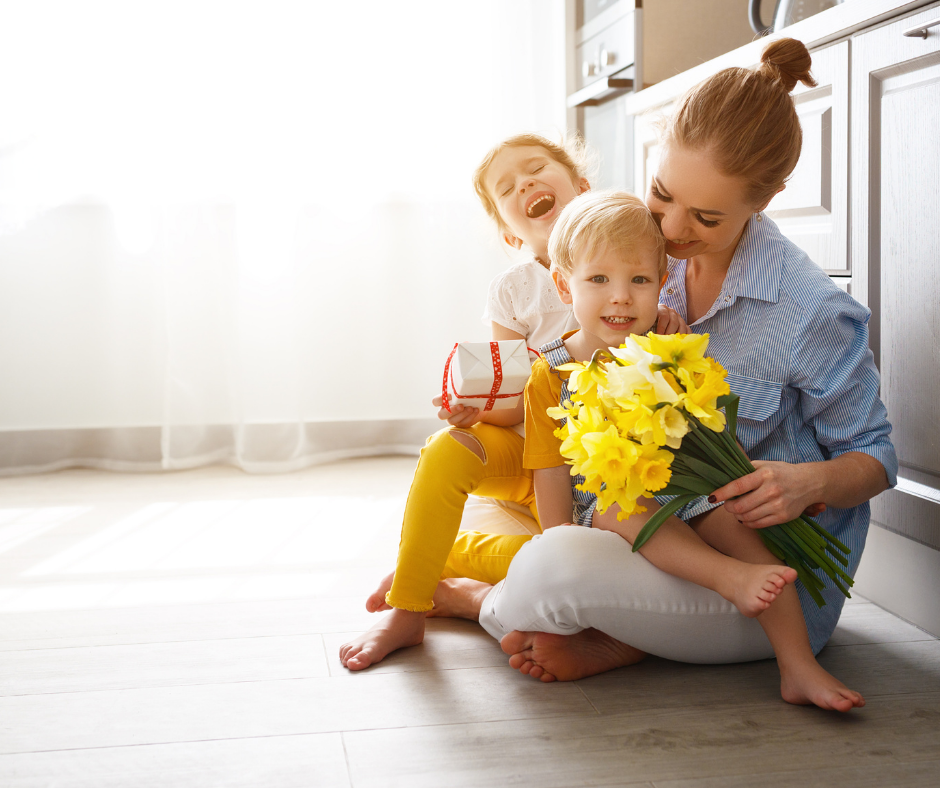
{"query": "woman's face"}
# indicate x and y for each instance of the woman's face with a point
(702, 212)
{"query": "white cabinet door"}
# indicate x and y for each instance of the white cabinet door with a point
(812, 211)
(895, 218)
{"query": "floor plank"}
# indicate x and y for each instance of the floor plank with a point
(316, 761)
(868, 623)
(895, 775)
(874, 670)
(167, 623)
(644, 745)
(43, 671)
(277, 708)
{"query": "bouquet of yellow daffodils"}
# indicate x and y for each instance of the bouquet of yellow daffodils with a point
(647, 418)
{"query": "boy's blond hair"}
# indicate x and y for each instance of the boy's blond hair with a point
(572, 154)
(614, 220)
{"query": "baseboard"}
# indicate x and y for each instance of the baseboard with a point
(256, 448)
(902, 576)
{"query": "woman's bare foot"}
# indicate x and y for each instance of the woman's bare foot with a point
(376, 600)
(399, 629)
(752, 588)
(459, 597)
(550, 657)
(807, 683)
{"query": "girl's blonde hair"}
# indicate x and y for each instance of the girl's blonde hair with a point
(614, 220)
(747, 120)
(571, 153)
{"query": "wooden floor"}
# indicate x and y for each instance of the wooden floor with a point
(182, 630)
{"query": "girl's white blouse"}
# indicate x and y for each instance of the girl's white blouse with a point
(523, 299)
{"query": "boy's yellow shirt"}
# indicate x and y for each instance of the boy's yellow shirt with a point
(543, 391)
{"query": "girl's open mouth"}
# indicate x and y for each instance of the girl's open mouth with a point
(540, 206)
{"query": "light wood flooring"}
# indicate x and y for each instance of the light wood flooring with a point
(182, 630)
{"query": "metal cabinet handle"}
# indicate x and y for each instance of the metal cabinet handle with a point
(921, 30)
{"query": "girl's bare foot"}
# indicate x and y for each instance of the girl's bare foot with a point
(807, 683)
(459, 597)
(399, 629)
(550, 657)
(376, 600)
(752, 588)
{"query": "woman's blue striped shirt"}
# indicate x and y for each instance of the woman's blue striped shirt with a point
(796, 350)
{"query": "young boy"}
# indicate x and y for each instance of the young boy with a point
(608, 262)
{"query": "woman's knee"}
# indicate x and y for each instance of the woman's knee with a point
(563, 558)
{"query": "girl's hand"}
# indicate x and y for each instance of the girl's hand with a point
(669, 322)
(458, 416)
(775, 493)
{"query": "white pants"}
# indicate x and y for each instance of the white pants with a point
(571, 578)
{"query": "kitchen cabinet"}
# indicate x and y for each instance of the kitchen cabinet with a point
(895, 211)
(864, 203)
(618, 46)
(812, 211)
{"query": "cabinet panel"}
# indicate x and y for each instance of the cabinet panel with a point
(896, 160)
(812, 211)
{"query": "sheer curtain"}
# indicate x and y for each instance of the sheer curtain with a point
(245, 232)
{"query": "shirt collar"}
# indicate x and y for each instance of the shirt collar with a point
(757, 264)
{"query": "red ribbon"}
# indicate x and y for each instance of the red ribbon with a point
(497, 381)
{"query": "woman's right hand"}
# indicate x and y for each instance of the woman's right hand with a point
(458, 416)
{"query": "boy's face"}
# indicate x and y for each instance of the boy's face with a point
(614, 293)
(529, 189)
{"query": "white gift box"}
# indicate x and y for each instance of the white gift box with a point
(486, 375)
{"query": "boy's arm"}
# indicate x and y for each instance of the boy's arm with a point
(553, 498)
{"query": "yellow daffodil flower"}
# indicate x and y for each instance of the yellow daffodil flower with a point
(702, 391)
(686, 351)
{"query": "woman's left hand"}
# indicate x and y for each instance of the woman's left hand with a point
(775, 493)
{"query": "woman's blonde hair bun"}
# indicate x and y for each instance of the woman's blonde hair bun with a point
(788, 62)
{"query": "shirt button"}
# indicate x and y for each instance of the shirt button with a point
(669, 291)
(727, 298)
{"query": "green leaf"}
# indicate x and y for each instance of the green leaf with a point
(690, 484)
(709, 473)
(730, 403)
(659, 518)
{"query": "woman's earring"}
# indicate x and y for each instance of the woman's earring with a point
(760, 217)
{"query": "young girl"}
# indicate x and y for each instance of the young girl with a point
(523, 183)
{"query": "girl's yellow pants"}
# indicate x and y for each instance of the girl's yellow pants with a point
(447, 473)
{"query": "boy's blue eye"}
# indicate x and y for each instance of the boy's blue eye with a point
(639, 280)
(599, 279)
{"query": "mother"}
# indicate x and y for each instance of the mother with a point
(796, 350)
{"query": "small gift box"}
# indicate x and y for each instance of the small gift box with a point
(486, 375)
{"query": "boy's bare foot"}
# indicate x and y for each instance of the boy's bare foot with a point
(459, 597)
(550, 657)
(752, 588)
(399, 629)
(376, 600)
(808, 683)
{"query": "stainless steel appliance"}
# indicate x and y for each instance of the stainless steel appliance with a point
(786, 12)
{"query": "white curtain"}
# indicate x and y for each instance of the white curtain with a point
(245, 232)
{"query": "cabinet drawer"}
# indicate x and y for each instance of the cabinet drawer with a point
(607, 52)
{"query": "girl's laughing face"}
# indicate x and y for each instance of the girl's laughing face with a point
(529, 189)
